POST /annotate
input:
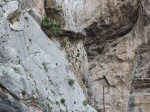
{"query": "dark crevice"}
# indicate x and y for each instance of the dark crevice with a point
(99, 33)
(106, 80)
(4, 88)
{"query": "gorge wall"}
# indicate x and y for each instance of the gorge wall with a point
(106, 52)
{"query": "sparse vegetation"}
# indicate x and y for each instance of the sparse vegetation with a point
(85, 103)
(70, 82)
(16, 71)
(57, 102)
(48, 99)
(23, 92)
(62, 100)
(76, 60)
(78, 54)
(53, 26)
(26, 18)
(49, 109)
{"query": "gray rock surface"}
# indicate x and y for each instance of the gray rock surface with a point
(34, 69)
(34, 72)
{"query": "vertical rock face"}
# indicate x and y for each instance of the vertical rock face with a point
(80, 14)
(34, 70)
(121, 65)
(115, 31)
(141, 80)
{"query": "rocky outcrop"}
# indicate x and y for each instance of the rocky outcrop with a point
(114, 30)
(34, 71)
(141, 81)
(114, 22)
(119, 72)
(100, 20)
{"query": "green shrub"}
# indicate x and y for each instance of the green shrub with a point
(16, 70)
(49, 109)
(49, 100)
(26, 18)
(23, 92)
(62, 100)
(85, 103)
(70, 82)
(51, 25)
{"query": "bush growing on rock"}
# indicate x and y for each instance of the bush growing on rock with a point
(85, 103)
(70, 82)
(62, 100)
(53, 26)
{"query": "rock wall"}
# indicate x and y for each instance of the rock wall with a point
(115, 30)
(119, 64)
(35, 69)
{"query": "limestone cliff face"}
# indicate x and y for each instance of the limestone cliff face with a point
(115, 32)
(121, 67)
(34, 71)
(35, 68)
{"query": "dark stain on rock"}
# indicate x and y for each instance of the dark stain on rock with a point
(101, 32)
(131, 104)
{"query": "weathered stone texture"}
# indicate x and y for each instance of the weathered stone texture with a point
(34, 70)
